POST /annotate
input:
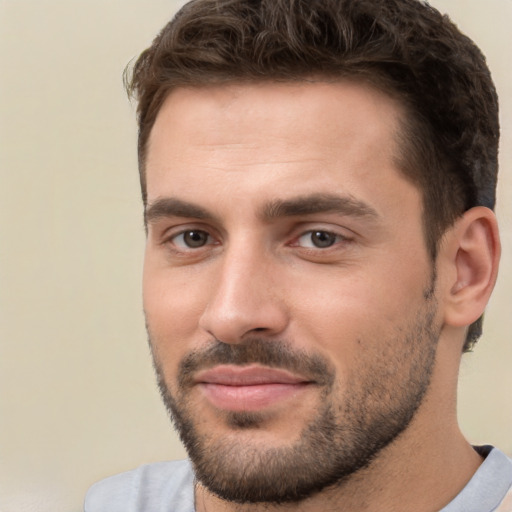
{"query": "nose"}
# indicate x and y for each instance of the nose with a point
(244, 299)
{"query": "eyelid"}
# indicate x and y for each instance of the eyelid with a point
(342, 234)
(336, 236)
(173, 232)
(184, 246)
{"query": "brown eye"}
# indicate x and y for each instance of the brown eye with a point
(192, 239)
(318, 239)
(322, 239)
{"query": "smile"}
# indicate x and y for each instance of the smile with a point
(249, 388)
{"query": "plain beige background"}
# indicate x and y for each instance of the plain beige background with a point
(78, 400)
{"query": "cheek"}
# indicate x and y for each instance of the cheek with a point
(349, 312)
(173, 305)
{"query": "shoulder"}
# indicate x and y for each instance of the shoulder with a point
(490, 489)
(159, 487)
(506, 468)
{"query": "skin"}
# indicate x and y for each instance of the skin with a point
(258, 145)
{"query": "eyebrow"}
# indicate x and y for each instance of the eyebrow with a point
(172, 207)
(278, 208)
(318, 203)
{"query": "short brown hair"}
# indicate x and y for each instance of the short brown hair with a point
(449, 141)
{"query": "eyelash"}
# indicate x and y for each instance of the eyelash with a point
(330, 238)
(183, 246)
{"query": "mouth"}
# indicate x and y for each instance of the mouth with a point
(249, 388)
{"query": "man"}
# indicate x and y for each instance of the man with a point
(318, 181)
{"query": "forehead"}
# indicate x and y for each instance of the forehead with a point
(287, 136)
(233, 109)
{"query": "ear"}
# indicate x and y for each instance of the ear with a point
(471, 253)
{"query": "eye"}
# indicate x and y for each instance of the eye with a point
(191, 239)
(318, 239)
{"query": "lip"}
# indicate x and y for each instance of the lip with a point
(249, 388)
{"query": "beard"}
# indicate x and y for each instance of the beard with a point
(353, 422)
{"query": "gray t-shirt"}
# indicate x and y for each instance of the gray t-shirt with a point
(169, 487)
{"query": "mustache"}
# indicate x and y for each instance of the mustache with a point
(271, 353)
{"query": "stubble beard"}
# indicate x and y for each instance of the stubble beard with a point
(344, 436)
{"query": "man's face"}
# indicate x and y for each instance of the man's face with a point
(289, 297)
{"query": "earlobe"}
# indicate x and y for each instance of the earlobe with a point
(473, 254)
